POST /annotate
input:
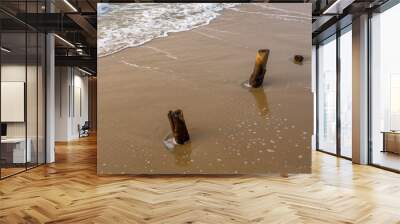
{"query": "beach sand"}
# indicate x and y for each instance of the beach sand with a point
(233, 129)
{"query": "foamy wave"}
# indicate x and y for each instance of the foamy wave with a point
(126, 25)
(279, 14)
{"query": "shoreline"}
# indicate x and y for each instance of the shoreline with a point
(168, 33)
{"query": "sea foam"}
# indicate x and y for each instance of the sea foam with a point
(124, 25)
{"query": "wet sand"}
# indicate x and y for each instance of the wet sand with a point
(233, 129)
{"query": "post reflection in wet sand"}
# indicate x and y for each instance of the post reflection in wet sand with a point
(182, 154)
(261, 100)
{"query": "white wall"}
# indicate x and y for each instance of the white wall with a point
(13, 101)
(82, 83)
(11, 73)
(17, 73)
(33, 126)
(71, 87)
(62, 82)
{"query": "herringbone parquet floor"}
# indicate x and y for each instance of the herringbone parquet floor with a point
(70, 192)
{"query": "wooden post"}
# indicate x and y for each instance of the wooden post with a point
(298, 59)
(178, 126)
(257, 78)
(284, 174)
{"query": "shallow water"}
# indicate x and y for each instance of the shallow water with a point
(123, 25)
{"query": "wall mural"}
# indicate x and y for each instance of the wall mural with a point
(206, 88)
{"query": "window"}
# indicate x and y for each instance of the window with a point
(346, 92)
(335, 74)
(22, 77)
(327, 96)
(385, 89)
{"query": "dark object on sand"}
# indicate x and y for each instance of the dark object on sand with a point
(257, 78)
(178, 126)
(298, 59)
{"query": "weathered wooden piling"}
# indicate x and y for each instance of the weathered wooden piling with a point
(298, 59)
(178, 126)
(257, 77)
